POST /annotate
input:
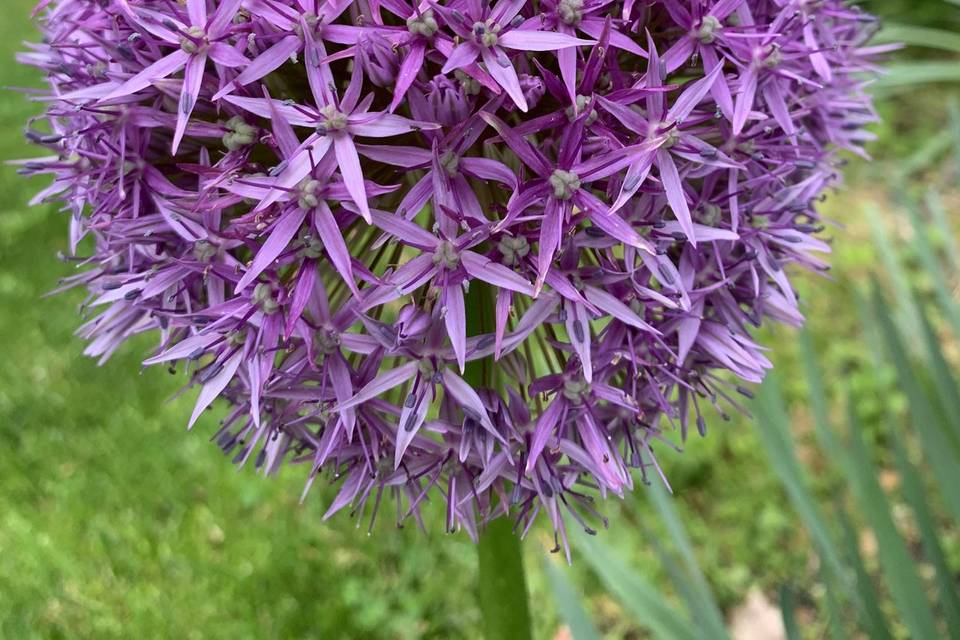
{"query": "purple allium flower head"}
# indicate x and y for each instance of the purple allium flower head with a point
(305, 198)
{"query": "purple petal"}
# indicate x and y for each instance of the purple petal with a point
(548, 424)
(550, 230)
(494, 273)
(411, 419)
(745, 99)
(212, 388)
(342, 389)
(306, 279)
(384, 382)
(385, 125)
(506, 77)
(270, 108)
(197, 11)
(578, 333)
(157, 71)
(409, 233)
(608, 303)
(283, 232)
(352, 173)
(468, 399)
(223, 16)
(463, 54)
(329, 232)
(270, 60)
(690, 98)
(524, 150)
(455, 320)
(192, 78)
(349, 490)
(409, 69)
(492, 170)
(227, 56)
(527, 40)
(673, 186)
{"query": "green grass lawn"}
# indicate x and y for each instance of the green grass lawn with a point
(117, 523)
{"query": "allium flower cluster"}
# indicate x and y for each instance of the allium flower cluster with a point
(492, 252)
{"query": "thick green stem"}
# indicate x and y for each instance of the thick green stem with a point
(504, 604)
(503, 587)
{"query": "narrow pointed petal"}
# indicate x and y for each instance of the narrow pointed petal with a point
(227, 56)
(409, 69)
(332, 239)
(463, 54)
(519, 145)
(468, 399)
(547, 425)
(744, 101)
(268, 61)
(192, 78)
(526, 40)
(506, 77)
(283, 232)
(212, 388)
(690, 98)
(342, 389)
(455, 320)
(386, 125)
(351, 487)
(673, 186)
(502, 312)
(272, 108)
(157, 71)
(578, 332)
(349, 163)
(607, 302)
(494, 273)
(549, 242)
(381, 384)
(223, 16)
(411, 419)
(306, 278)
(197, 11)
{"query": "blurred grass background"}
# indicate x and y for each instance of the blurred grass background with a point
(114, 523)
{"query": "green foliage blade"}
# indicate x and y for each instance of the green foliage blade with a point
(789, 613)
(890, 259)
(936, 444)
(918, 498)
(701, 602)
(931, 264)
(906, 588)
(871, 615)
(643, 601)
(773, 426)
(944, 382)
(915, 36)
(568, 602)
(903, 76)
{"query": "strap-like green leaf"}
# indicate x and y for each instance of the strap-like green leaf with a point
(938, 447)
(773, 427)
(916, 36)
(702, 604)
(906, 588)
(871, 616)
(643, 601)
(789, 613)
(568, 602)
(918, 499)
